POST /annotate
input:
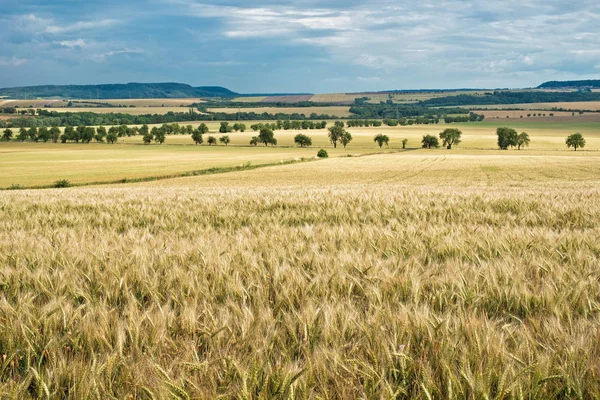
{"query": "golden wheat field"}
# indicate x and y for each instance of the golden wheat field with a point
(399, 275)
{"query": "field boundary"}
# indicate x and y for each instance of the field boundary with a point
(209, 171)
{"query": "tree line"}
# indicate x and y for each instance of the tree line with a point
(53, 118)
(337, 134)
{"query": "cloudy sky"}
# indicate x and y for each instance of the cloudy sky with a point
(302, 45)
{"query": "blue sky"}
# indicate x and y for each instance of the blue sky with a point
(300, 46)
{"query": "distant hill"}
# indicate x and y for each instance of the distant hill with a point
(587, 84)
(117, 91)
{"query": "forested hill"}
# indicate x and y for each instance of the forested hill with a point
(117, 91)
(591, 84)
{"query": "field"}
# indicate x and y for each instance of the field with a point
(404, 275)
(559, 116)
(127, 110)
(31, 164)
(464, 273)
(581, 105)
(333, 111)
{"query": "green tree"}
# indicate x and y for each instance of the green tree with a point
(302, 140)
(22, 134)
(225, 128)
(381, 139)
(55, 133)
(254, 141)
(149, 136)
(111, 136)
(335, 133)
(7, 134)
(44, 134)
(211, 140)
(507, 137)
(68, 134)
(575, 141)
(86, 133)
(450, 137)
(322, 153)
(32, 133)
(404, 143)
(224, 139)
(523, 140)
(197, 136)
(100, 134)
(267, 137)
(159, 136)
(346, 138)
(430, 141)
(144, 130)
(203, 128)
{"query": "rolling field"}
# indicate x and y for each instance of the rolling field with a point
(35, 164)
(403, 275)
(125, 110)
(580, 105)
(333, 111)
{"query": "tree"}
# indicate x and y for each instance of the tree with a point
(303, 140)
(144, 130)
(111, 137)
(254, 141)
(55, 134)
(86, 133)
(68, 134)
(149, 136)
(7, 134)
(239, 127)
(32, 133)
(381, 139)
(450, 137)
(506, 137)
(267, 137)
(211, 140)
(335, 133)
(197, 136)
(346, 138)
(203, 128)
(225, 128)
(404, 142)
(224, 139)
(43, 134)
(523, 140)
(430, 141)
(575, 140)
(100, 134)
(159, 136)
(22, 134)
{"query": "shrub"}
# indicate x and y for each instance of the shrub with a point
(322, 153)
(63, 183)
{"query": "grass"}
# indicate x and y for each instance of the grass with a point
(408, 275)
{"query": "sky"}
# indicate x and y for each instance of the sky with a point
(276, 46)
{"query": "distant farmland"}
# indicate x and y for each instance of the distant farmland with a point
(337, 111)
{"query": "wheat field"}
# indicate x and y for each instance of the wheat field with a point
(386, 276)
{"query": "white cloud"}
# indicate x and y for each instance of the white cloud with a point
(73, 43)
(12, 62)
(99, 57)
(79, 26)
